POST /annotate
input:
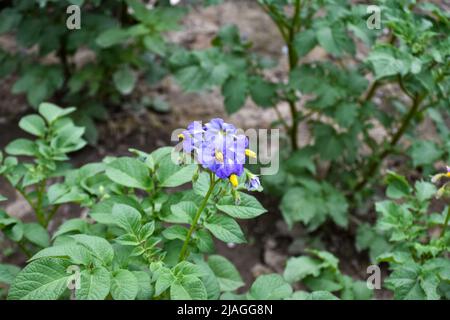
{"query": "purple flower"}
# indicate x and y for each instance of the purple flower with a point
(253, 183)
(218, 147)
(192, 137)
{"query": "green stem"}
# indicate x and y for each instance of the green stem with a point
(24, 249)
(447, 218)
(40, 194)
(51, 215)
(377, 159)
(27, 198)
(183, 252)
(293, 61)
(288, 32)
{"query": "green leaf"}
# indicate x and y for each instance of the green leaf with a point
(124, 80)
(43, 279)
(304, 42)
(52, 112)
(201, 185)
(156, 44)
(77, 253)
(111, 37)
(97, 246)
(248, 208)
(326, 40)
(181, 212)
(335, 40)
(234, 91)
(173, 175)
(72, 225)
(94, 284)
(16, 232)
(129, 172)
(263, 93)
(102, 211)
(299, 268)
(209, 279)
(425, 190)
(21, 147)
(127, 217)
(225, 272)
(145, 287)
(205, 242)
(175, 232)
(430, 283)
(316, 295)
(270, 287)
(8, 273)
(33, 124)
(396, 219)
(225, 229)
(36, 234)
(361, 291)
(124, 285)
(425, 152)
(398, 186)
(188, 288)
(298, 205)
(385, 63)
(163, 282)
(405, 283)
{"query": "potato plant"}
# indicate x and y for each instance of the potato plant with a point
(336, 97)
(145, 225)
(140, 241)
(125, 38)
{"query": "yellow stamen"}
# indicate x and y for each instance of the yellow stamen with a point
(219, 156)
(234, 180)
(249, 153)
(181, 136)
(447, 174)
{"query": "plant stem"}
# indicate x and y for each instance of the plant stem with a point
(40, 194)
(24, 249)
(293, 57)
(183, 252)
(377, 159)
(27, 198)
(288, 33)
(51, 214)
(293, 61)
(447, 218)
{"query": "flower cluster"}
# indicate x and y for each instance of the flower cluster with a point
(217, 146)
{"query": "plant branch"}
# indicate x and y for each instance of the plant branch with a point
(51, 214)
(377, 159)
(183, 252)
(447, 218)
(40, 194)
(24, 249)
